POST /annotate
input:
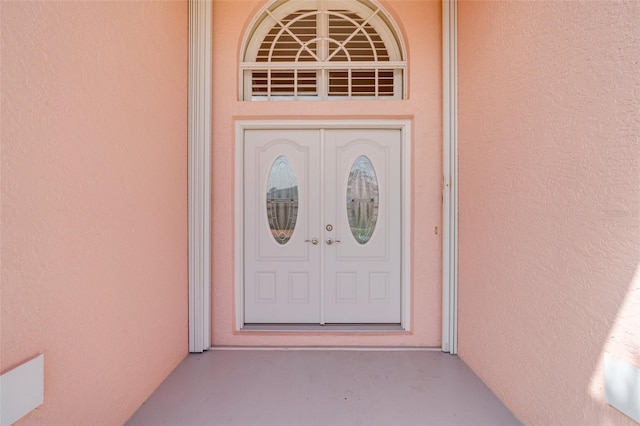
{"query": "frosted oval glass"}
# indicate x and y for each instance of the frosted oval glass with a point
(362, 199)
(282, 200)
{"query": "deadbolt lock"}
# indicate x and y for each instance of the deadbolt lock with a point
(329, 227)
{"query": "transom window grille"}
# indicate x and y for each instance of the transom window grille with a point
(323, 49)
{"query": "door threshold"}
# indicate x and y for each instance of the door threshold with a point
(323, 328)
(330, 348)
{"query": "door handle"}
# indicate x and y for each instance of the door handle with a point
(313, 241)
(330, 241)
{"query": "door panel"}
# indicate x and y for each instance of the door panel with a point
(352, 274)
(362, 280)
(282, 281)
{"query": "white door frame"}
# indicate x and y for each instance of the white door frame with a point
(405, 139)
(200, 72)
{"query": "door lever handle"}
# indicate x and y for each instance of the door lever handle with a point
(330, 241)
(313, 241)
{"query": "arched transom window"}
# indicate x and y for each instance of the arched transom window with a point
(323, 49)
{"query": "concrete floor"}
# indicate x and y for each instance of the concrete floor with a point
(322, 387)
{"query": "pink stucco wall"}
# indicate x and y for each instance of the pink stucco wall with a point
(94, 206)
(420, 24)
(549, 201)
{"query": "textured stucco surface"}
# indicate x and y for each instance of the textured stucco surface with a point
(421, 27)
(549, 201)
(94, 205)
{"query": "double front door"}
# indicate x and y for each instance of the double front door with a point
(322, 226)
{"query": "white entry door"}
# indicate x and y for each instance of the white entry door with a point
(322, 226)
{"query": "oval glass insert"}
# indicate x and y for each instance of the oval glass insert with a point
(362, 199)
(282, 200)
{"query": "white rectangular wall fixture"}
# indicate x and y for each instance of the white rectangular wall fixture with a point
(622, 386)
(21, 390)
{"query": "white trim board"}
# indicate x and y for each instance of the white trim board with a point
(200, 73)
(21, 390)
(405, 129)
(450, 176)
